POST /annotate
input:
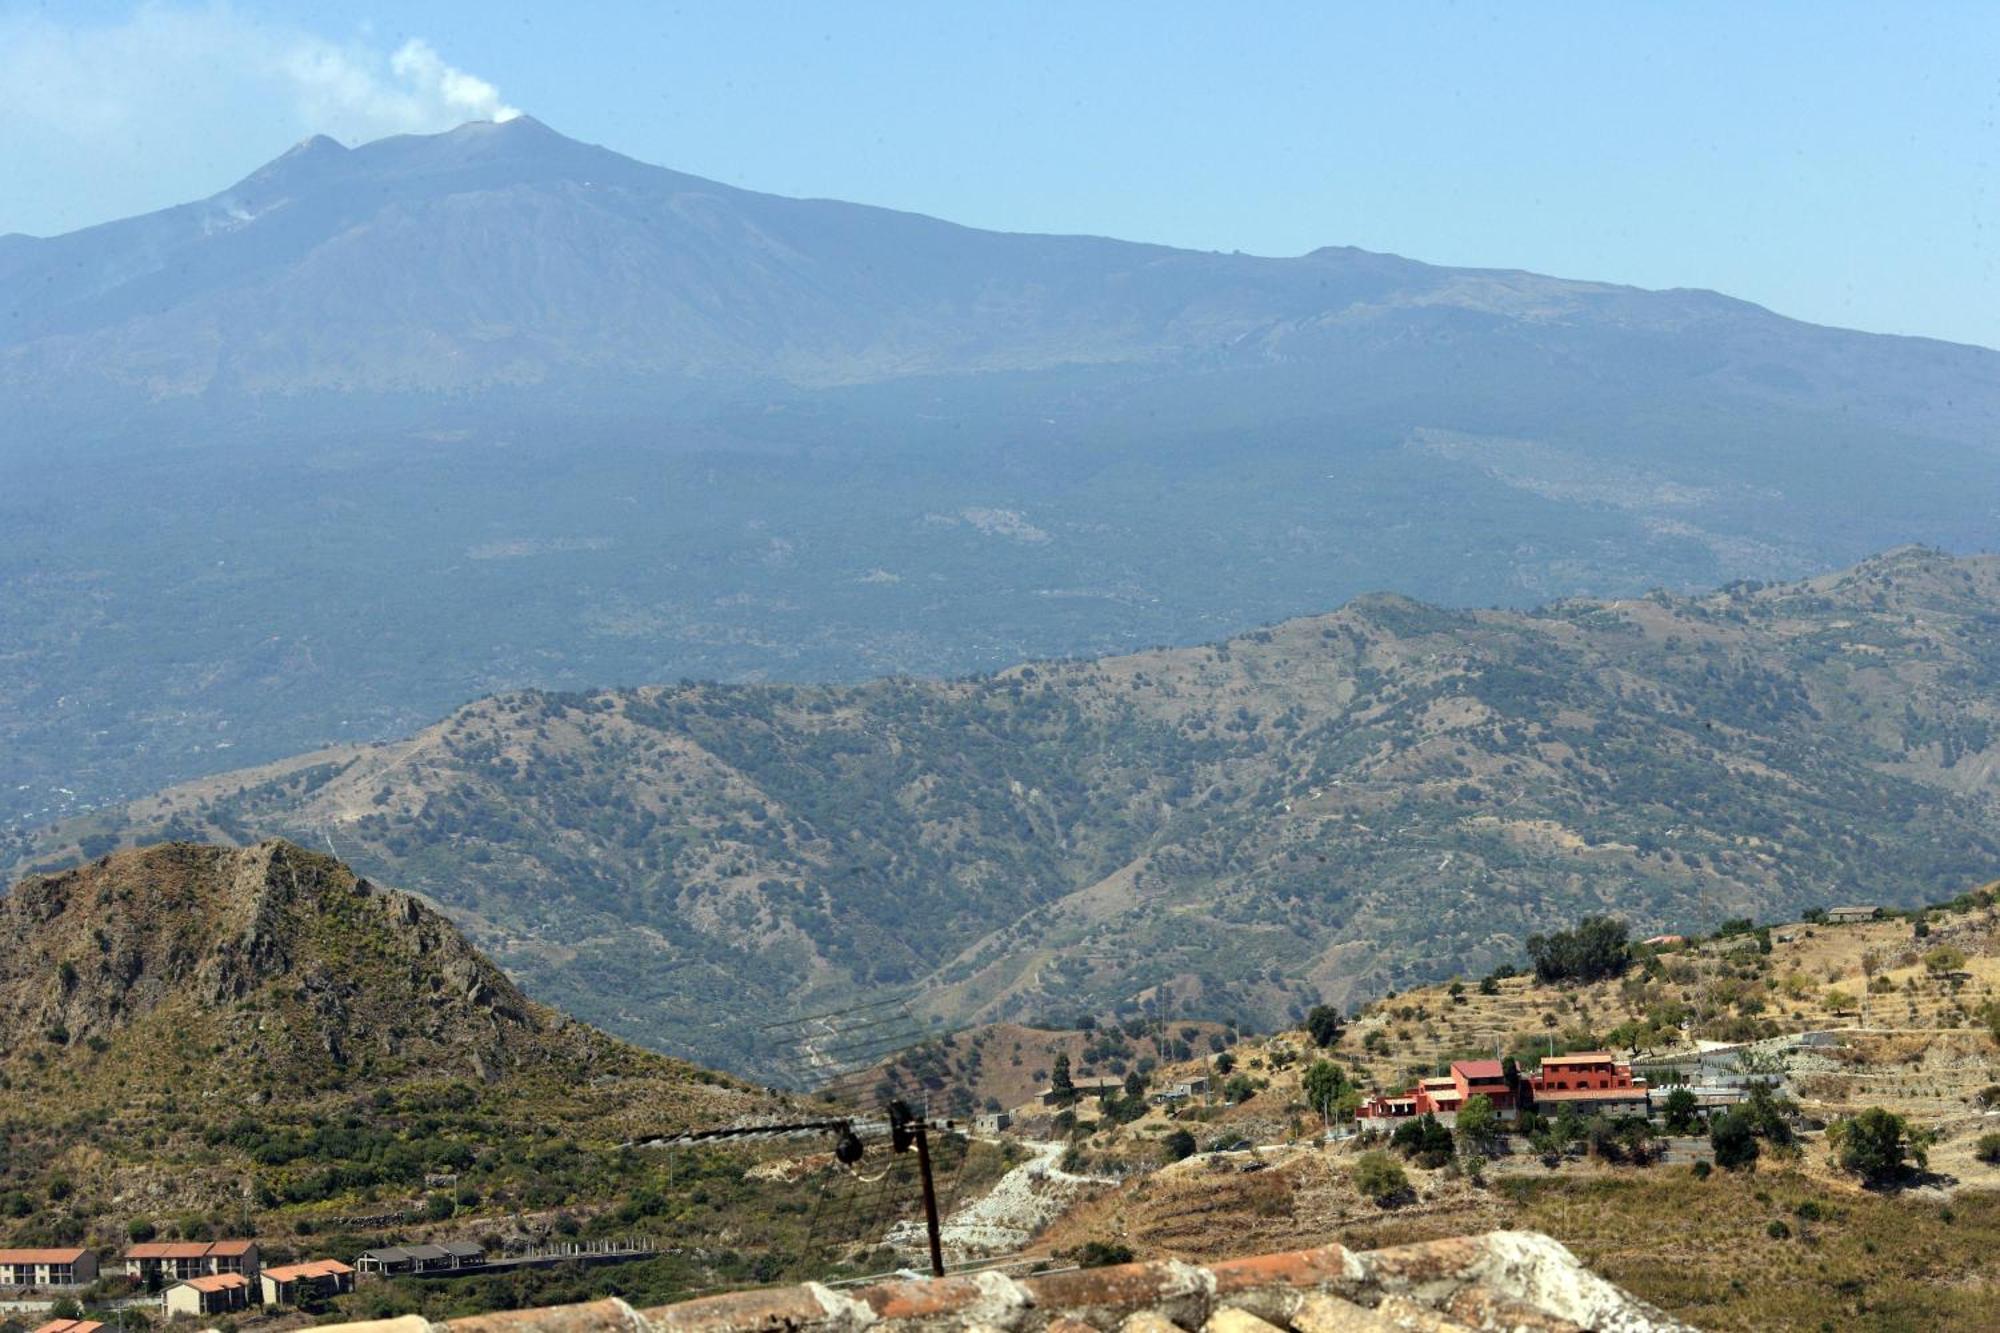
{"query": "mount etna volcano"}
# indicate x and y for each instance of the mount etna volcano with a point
(377, 430)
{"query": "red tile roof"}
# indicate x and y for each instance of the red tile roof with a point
(310, 1268)
(40, 1256)
(1479, 1071)
(191, 1249)
(70, 1326)
(217, 1282)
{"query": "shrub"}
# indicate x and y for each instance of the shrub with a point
(1379, 1178)
(1103, 1253)
(1778, 1230)
(1702, 1170)
(1733, 1140)
(1177, 1146)
(1988, 1150)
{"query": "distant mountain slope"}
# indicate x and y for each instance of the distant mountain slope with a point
(379, 430)
(508, 254)
(1335, 805)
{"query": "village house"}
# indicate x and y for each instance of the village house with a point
(1591, 1081)
(64, 1267)
(1444, 1095)
(1843, 916)
(1594, 1082)
(178, 1261)
(314, 1280)
(1085, 1087)
(992, 1122)
(214, 1293)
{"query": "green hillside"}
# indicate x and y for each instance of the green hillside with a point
(1335, 805)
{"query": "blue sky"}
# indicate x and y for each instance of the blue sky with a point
(1835, 162)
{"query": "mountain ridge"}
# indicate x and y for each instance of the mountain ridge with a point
(1327, 807)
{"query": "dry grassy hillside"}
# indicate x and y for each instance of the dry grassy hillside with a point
(205, 1039)
(1333, 807)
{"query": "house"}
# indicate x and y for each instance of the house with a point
(1085, 1087)
(178, 1261)
(1444, 1095)
(214, 1293)
(63, 1267)
(1190, 1087)
(1841, 916)
(992, 1122)
(70, 1326)
(315, 1279)
(1593, 1082)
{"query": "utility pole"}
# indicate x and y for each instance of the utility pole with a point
(906, 1130)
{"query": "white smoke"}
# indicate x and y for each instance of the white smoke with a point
(419, 66)
(194, 67)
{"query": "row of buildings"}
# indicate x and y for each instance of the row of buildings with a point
(1593, 1082)
(198, 1277)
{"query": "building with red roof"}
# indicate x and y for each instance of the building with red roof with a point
(177, 1261)
(64, 1266)
(315, 1279)
(215, 1293)
(1591, 1081)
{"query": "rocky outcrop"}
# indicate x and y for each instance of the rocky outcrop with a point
(1513, 1280)
(267, 950)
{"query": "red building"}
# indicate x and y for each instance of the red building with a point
(1589, 1080)
(1445, 1094)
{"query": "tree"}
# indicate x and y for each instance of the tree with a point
(1478, 1122)
(1944, 959)
(1681, 1111)
(1424, 1140)
(1877, 1145)
(1733, 1140)
(1324, 1023)
(1177, 1146)
(1323, 1083)
(1060, 1082)
(1838, 1000)
(1591, 950)
(1379, 1178)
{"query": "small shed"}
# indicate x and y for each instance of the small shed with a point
(1842, 916)
(992, 1122)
